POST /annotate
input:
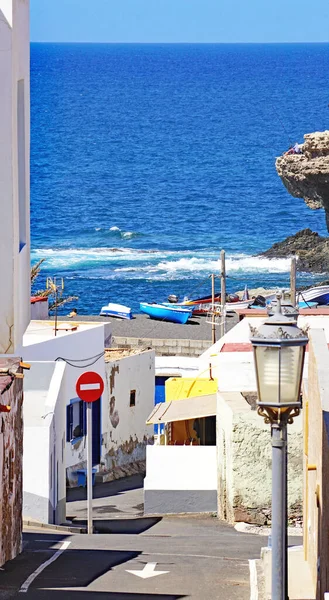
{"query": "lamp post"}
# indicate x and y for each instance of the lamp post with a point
(279, 350)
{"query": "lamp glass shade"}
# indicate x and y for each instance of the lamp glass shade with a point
(279, 373)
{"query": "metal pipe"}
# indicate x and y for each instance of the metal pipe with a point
(223, 293)
(279, 591)
(285, 507)
(89, 469)
(213, 326)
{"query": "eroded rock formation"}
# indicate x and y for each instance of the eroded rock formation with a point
(306, 175)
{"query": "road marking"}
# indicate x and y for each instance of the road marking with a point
(148, 571)
(253, 580)
(89, 386)
(44, 565)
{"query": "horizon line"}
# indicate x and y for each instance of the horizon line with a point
(180, 43)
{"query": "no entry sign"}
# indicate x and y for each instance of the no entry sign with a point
(90, 386)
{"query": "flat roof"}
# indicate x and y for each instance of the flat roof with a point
(111, 354)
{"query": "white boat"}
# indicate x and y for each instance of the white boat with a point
(232, 306)
(319, 294)
(116, 310)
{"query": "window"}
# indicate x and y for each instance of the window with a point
(75, 420)
(132, 401)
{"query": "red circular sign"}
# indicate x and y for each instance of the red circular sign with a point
(89, 386)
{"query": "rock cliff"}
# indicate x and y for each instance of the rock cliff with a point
(306, 175)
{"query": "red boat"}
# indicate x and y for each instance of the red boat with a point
(201, 306)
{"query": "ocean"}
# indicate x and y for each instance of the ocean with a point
(147, 160)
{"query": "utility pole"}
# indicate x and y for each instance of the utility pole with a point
(222, 293)
(213, 324)
(293, 281)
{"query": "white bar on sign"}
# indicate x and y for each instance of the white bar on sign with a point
(90, 386)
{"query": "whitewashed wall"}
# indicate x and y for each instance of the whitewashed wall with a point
(44, 469)
(14, 172)
(85, 343)
(125, 431)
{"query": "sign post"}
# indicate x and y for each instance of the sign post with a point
(89, 388)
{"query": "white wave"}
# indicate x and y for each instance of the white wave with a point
(127, 234)
(155, 263)
(255, 264)
(97, 228)
(115, 228)
(245, 264)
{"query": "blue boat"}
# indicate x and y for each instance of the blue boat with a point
(166, 313)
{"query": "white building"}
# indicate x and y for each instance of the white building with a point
(80, 349)
(44, 461)
(14, 172)
(130, 394)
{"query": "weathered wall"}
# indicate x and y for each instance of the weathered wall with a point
(11, 455)
(44, 481)
(180, 479)
(14, 172)
(316, 462)
(244, 463)
(164, 347)
(125, 433)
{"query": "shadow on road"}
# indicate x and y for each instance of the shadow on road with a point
(75, 595)
(125, 526)
(81, 567)
(104, 490)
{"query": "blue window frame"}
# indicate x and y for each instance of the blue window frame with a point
(75, 420)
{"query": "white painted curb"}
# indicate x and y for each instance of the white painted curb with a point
(253, 580)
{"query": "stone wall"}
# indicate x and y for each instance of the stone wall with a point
(245, 464)
(164, 347)
(11, 455)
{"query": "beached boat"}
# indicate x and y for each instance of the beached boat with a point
(204, 309)
(116, 310)
(175, 314)
(318, 294)
(302, 304)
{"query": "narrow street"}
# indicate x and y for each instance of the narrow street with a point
(199, 557)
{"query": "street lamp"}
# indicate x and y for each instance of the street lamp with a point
(279, 350)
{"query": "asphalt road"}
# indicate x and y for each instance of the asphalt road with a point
(199, 557)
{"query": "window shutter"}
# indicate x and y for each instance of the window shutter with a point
(69, 422)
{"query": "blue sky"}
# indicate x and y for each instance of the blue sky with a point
(180, 20)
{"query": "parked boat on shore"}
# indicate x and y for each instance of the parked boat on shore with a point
(116, 310)
(319, 294)
(175, 314)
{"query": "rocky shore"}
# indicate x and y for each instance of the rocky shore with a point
(305, 174)
(311, 249)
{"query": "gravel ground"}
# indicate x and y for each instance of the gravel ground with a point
(143, 327)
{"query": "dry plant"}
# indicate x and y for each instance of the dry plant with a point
(51, 291)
